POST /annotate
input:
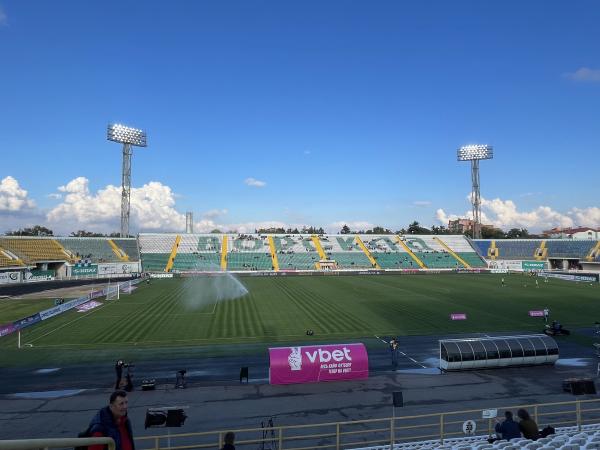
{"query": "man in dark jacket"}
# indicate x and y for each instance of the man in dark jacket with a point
(509, 429)
(112, 421)
(229, 441)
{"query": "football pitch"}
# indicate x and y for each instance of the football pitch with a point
(184, 312)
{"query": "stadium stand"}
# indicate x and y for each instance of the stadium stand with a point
(565, 248)
(248, 252)
(240, 252)
(345, 251)
(155, 250)
(33, 250)
(562, 440)
(295, 252)
(483, 247)
(431, 252)
(198, 253)
(388, 253)
(515, 248)
(461, 246)
(129, 247)
(7, 259)
(98, 250)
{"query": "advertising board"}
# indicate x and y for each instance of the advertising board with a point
(118, 268)
(10, 277)
(315, 363)
(82, 271)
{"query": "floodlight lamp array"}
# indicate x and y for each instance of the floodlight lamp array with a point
(126, 135)
(475, 152)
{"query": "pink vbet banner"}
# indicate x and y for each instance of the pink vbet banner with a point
(536, 313)
(314, 363)
(458, 316)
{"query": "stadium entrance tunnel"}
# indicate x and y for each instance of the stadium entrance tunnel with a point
(500, 351)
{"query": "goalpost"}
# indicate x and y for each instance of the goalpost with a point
(113, 291)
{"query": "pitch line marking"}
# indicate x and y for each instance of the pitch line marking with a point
(69, 323)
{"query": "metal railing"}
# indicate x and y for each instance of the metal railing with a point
(33, 444)
(377, 432)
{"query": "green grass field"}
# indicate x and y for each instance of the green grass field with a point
(183, 312)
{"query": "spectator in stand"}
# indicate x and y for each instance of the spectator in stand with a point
(527, 425)
(229, 441)
(112, 421)
(508, 429)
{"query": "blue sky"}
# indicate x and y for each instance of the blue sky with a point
(292, 113)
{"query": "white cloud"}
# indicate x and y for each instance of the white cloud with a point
(54, 196)
(3, 17)
(254, 182)
(504, 214)
(214, 213)
(13, 198)
(152, 208)
(584, 74)
(421, 203)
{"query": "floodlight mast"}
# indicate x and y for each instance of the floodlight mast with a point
(129, 137)
(475, 153)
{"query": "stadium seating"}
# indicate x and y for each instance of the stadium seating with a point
(248, 252)
(562, 440)
(155, 250)
(567, 248)
(461, 246)
(482, 246)
(198, 253)
(345, 251)
(98, 250)
(33, 250)
(388, 253)
(517, 248)
(9, 260)
(130, 247)
(299, 252)
(295, 252)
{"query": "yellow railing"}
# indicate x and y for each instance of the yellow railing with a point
(366, 251)
(383, 432)
(410, 252)
(118, 251)
(493, 250)
(31, 444)
(173, 254)
(224, 254)
(593, 252)
(273, 254)
(320, 250)
(542, 252)
(449, 250)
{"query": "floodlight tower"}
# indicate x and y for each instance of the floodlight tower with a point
(129, 137)
(475, 153)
